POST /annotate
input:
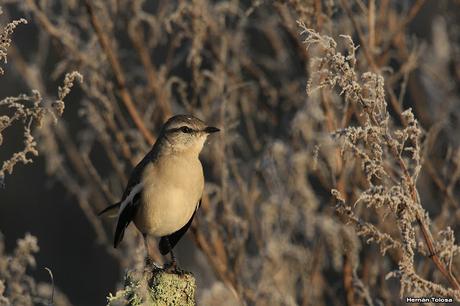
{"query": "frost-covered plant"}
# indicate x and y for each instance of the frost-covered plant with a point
(29, 110)
(390, 159)
(17, 287)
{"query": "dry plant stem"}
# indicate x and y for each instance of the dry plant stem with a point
(289, 25)
(97, 178)
(424, 228)
(61, 36)
(348, 281)
(123, 144)
(21, 66)
(319, 14)
(217, 265)
(395, 104)
(156, 86)
(367, 53)
(409, 17)
(383, 11)
(116, 126)
(440, 184)
(114, 160)
(97, 197)
(428, 237)
(119, 75)
(397, 108)
(422, 220)
(371, 26)
(326, 101)
(73, 155)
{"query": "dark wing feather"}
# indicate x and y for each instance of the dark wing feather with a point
(174, 238)
(108, 208)
(128, 213)
(134, 179)
(136, 174)
(126, 216)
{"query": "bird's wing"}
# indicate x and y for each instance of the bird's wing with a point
(166, 246)
(131, 196)
(134, 180)
(109, 208)
(128, 208)
(136, 174)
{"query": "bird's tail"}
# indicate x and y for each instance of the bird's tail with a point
(113, 209)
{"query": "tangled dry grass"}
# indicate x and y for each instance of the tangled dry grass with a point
(391, 160)
(345, 195)
(19, 288)
(27, 109)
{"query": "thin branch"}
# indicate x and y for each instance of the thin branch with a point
(119, 75)
(363, 45)
(402, 25)
(154, 80)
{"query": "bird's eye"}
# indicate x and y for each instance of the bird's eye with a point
(186, 129)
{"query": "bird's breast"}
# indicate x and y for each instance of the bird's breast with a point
(172, 188)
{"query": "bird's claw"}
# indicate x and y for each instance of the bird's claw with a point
(171, 267)
(151, 265)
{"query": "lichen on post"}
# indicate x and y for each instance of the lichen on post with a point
(155, 288)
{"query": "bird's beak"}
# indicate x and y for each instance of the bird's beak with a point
(211, 129)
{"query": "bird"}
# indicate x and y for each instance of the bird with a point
(164, 190)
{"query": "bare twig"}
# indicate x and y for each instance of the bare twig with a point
(118, 72)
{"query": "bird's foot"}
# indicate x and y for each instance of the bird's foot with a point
(151, 265)
(171, 267)
(148, 261)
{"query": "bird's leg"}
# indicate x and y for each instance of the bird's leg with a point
(173, 258)
(148, 260)
(173, 265)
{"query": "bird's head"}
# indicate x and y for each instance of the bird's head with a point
(186, 133)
